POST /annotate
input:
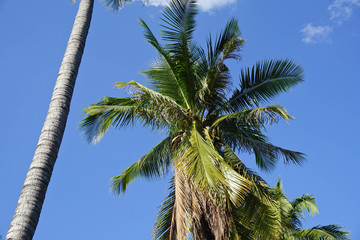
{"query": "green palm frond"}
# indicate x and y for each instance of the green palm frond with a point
(305, 202)
(239, 231)
(257, 183)
(179, 25)
(264, 81)
(116, 5)
(216, 79)
(257, 117)
(179, 19)
(257, 216)
(154, 164)
(156, 108)
(293, 212)
(108, 111)
(198, 159)
(252, 140)
(141, 90)
(164, 73)
(329, 232)
(227, 45)
(162, 225)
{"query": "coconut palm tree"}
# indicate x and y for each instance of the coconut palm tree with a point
(282, 217)
(292, 212)
(206, 123)
(32, 195)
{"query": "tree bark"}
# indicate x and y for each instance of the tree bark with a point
(213, 221)
(32, 195)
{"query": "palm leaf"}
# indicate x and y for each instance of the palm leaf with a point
(264, 81)
(154, 164)
(197, 159)
(116, 5)
(162, 225)
(179, 25)
(164, 73)
(257, 117)
(159, 108)
(246, 138)
(216, 81)
(108, 111)
(329, 232)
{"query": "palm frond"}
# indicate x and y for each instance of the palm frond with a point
(180, 222)
(198, 160)
(329, 232)
(235, 162)
(257, 117)
(162, 225)
(179, 25)
(264, 81)
(216, 81)
(156, 101)
(154, 164)
(179, 19)
(228, 44)
(108, 111)
(164, 74)
(246, 138)
(305, 202)
(258, 214)
(115, 5)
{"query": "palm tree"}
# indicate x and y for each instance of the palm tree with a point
(189, 97)
(292, 212)
(281, 218)
(32, 195)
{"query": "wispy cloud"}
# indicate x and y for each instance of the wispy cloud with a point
(316, 34)
(204, 5)
(340, 11)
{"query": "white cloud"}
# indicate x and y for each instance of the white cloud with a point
(316, 34)
(204, 5)
(341, 10)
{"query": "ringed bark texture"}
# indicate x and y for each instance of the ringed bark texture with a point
(32, 195)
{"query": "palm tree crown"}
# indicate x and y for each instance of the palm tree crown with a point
(190, 97)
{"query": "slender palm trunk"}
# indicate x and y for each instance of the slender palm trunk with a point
(32, 195)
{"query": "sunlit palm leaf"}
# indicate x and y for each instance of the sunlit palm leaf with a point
(329, 232)
(199, 160)
(257, 117)
(156, 108)
(109, 111)
(154, 164)
(258, 212)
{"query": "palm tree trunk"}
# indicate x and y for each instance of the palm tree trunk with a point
(32, 195)
(209, 220)
(212, 222)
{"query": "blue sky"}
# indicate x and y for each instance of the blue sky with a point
(321, 36)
